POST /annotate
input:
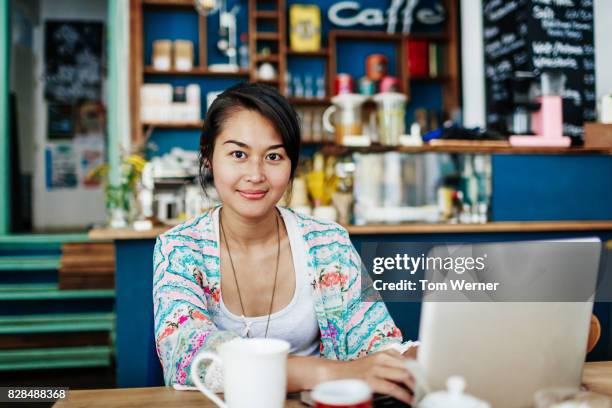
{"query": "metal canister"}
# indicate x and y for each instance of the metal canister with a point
(376, 66)
(343, 84)
(366, 86)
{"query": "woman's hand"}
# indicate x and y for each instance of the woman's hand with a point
(384, 371)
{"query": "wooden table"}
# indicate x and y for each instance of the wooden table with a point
(152, 397)
(597, 377)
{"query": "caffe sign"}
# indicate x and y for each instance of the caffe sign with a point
(400, 12)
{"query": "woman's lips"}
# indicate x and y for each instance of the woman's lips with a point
(252, 194)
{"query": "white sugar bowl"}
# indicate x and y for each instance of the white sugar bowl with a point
(453, 397)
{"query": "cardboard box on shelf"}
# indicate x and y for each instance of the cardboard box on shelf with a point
(597, 135)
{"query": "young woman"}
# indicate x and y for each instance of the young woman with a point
(253, 269)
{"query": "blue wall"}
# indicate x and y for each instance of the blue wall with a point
(543, 187)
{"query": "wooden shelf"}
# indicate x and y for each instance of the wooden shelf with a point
(196, 71)
(323, 52)
(268, 81)
(311, 143)
(267, 36)
(367, 35)
(472, 147)
(267, 58)
(174, 125)
(384, 36)
(266, 14)
(433, 37)
(490, 227)
(437, 79)
(309, 101)
(169, 3)
(416, 228)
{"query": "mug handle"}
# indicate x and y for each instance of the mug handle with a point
(196, 378)
(326, 119)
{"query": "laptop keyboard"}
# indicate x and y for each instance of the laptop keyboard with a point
(386, 401)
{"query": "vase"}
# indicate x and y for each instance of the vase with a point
(118, 218)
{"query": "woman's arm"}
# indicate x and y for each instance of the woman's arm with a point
(368, 326)
(183, 326)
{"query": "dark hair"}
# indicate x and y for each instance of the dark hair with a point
(260, 98)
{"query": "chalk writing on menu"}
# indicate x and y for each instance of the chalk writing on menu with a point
(540, 36)
(73, 61)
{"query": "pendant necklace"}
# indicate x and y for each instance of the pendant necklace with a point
(247, 325)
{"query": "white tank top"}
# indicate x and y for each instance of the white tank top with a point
(295, 323)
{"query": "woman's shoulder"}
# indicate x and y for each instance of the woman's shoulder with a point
(197, 229)
(310, 224)
(322, 236)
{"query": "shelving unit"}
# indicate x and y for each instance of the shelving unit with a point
(196, 71)
(259, 39)
(174, 125)
(323, 52)
(309, 101)
(267, 27)
(472, 148)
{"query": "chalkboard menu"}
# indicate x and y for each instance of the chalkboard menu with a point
(73, 61)
(540, 36)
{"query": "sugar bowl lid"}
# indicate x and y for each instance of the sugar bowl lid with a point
(453, 397)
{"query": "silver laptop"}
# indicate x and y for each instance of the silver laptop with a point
(512, 346)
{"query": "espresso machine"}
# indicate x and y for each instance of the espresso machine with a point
(538, 108)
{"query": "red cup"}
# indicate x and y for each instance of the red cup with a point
(343, 84)
(390, 84)
(342, 394)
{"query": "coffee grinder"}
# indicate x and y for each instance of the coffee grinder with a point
(523, 87)
(546, 119)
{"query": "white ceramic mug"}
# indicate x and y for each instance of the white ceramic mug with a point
(254, 373)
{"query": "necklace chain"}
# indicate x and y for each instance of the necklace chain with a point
(229, 253)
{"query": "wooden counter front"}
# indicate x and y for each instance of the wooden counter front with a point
(107, 234)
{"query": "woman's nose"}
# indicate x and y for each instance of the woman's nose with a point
(255, 172)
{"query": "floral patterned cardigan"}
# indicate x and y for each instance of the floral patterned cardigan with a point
(186, 296)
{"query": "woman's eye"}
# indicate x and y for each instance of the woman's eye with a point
(238, 154)
(274, 156)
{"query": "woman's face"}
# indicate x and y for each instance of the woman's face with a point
(250, 165)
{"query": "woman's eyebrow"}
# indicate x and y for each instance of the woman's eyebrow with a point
(236, 143)
(244, 145)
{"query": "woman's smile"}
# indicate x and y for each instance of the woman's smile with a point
(253, 194)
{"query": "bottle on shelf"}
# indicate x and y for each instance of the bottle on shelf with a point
(243, 51)
(298, 88)
(305, 136)
(321, 87)
(317, 126)
(482, 170)
(308, 93)
(307, 126)
(287, 90)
